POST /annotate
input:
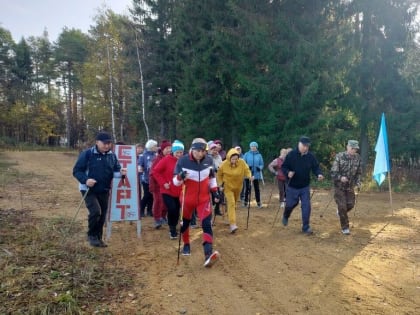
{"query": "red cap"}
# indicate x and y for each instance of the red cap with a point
(164, 144)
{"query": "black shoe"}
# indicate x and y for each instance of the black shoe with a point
(94, 241)
(173, 234)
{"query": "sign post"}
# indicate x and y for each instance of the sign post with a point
(124, 203)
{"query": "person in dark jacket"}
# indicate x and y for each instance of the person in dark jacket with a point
(145, 164)
(297, 167)
(139, 154)
(94, 169)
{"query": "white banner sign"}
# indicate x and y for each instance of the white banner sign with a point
(124, 205)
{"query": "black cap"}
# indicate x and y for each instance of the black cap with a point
(104, 137)
(305, 140)
(199, 146)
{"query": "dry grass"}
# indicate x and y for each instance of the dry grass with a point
(47, 268)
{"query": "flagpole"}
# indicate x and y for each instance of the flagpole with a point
(390, 192)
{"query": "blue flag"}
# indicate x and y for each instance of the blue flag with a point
(382, 154)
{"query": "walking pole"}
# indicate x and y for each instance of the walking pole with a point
(214, 215)
(322, 214)
(181, 216)
(271, 193)
(262, 178)
(249, 203)
(275, 218)
(355, 200)
(77, 211)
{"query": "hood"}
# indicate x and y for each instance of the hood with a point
(231, 152)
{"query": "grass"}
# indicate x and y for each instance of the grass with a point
(46, 266)
(45, 270)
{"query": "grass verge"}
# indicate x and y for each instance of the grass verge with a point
(46, 270)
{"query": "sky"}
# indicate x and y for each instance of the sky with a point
(24, 18)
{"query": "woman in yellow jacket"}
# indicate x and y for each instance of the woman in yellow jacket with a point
(230, 176)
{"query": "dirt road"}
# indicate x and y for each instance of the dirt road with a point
(263, 270)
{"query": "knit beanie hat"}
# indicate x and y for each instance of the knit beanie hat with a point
(164, 144)
(177, 146)
(150, 144)
(253, 144)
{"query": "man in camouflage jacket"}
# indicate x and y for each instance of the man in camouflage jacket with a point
(345, 173)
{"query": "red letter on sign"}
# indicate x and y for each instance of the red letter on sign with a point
(123, 209)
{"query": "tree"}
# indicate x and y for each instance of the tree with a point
(7, 54)
(108, 71)
(380, 35)
(71, 52)
(154, 22)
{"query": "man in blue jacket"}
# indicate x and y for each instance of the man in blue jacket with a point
(94, 169)
(297, 167)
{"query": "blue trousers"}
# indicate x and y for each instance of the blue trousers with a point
(293, 195)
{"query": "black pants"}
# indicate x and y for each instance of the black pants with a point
(242, 196)
(146, 201)
(256, 185)
(173, 206)
(97, 205)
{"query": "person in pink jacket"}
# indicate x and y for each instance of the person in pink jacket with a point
(163, 173)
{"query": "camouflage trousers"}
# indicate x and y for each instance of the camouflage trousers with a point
(345, 200)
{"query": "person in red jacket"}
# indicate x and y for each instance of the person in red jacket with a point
(159, 207)
(163, 173)
(275, 168)
(195, 172)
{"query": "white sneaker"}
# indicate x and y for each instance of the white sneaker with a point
(346, 231)
(212, 259)
(233, 228)
(282, 204)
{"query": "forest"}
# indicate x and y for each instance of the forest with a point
(236, 70)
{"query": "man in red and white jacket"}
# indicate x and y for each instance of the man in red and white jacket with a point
(195, 172)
